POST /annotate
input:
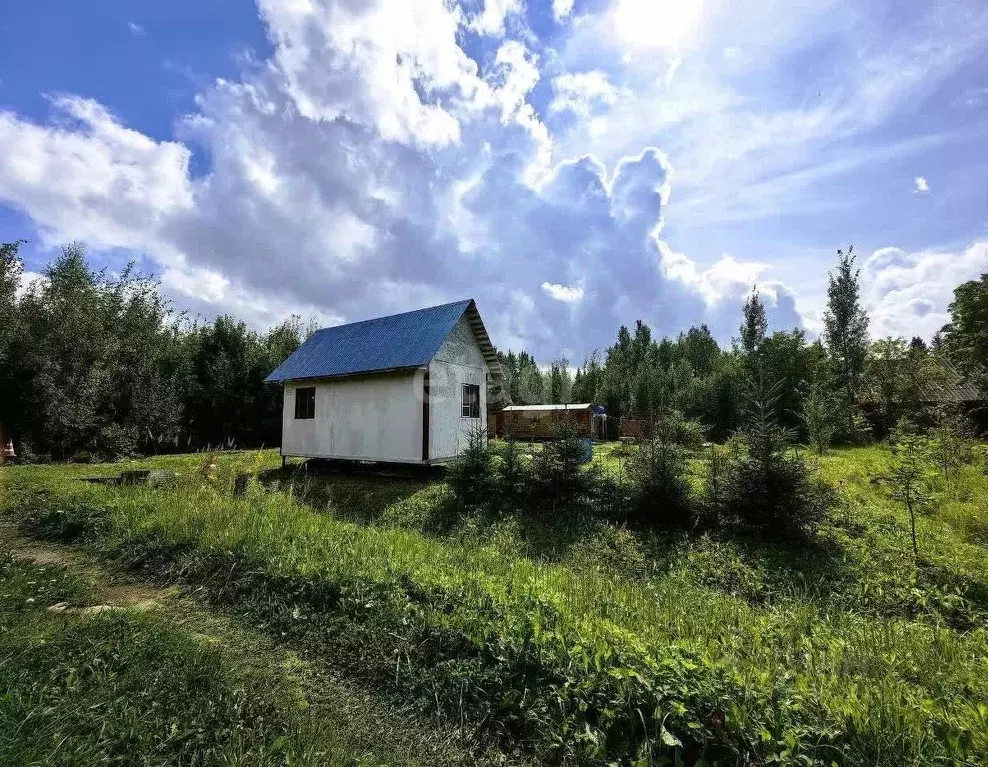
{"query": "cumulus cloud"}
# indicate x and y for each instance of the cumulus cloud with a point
(89, 177)
(755, 121)
(135, 29)
(907, 293)
(490, 21)
(726, 283)
(561, 9)
(371, 166)
(922, 185)
(518, 71)
(566, 293)
(582, 92)
(385, 64)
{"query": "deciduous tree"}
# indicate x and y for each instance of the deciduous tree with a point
(965, 337)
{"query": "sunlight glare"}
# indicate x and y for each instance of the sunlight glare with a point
(667, 24)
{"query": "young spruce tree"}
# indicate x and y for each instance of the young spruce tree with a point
(755, 325)
(846, 334)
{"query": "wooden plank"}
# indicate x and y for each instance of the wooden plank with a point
(425, 416)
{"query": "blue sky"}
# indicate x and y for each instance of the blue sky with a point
(572, 165)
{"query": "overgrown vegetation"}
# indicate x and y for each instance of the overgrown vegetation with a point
(659, 494)
(843, 388)
(672, 602)
(768, 487)
(124, 687)
(631, 646)
(761, 485)
(99, 364)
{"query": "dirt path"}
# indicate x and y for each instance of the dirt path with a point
(371, 725)
(114, 589)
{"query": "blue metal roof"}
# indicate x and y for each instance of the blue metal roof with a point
(387, 343)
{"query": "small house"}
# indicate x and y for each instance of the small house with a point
(933, 385)
(409, 388)
(542, 421)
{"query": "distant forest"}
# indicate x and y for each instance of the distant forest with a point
(93, 363)
(839, 378)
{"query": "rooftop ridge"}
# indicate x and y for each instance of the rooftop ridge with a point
(464, 301)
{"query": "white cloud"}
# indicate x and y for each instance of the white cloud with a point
(566, 293)
(907, 293)
(515, 74)
(135, 29)
(519, 69)
(491, 20)
(28, 280)
(368, 167)
(561, 9)
(674, 63)
(387, 65)
(582, 92)
(89, 177)
(726, 278)
(668, 24)
(922, 185)
(736, 115)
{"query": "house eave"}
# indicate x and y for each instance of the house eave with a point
(357, 374)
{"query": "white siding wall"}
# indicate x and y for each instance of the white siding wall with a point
(375, 418)
(458, 361)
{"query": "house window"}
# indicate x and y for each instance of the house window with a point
(471, 401)
(305, 402)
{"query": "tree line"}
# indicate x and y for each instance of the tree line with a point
(843, 386)
(99, 364)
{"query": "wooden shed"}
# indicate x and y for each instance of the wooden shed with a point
(541, 421)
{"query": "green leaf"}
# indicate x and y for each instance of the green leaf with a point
(669, 739)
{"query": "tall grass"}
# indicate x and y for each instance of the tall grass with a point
(860, 666)
(127, 689)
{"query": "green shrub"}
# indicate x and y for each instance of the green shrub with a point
(510, 476)
(471, 476)
(818, 416)
(115, 441)
(690, 434)
(660, 494)
(768, 487)
(609, 494)
(951, 444)
(716, 461)
(556, 482)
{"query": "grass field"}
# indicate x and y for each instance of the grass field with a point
(97, 668)
(575, 641)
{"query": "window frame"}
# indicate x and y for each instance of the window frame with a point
(470, 409)
(305, 407)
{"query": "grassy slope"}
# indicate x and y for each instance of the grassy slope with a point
(845, 653)
(165, 682)
(129, 688)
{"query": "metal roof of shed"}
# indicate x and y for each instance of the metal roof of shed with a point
(941, 383)
(397, 342)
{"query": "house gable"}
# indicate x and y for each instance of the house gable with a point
(461, 346)
(459, 361)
